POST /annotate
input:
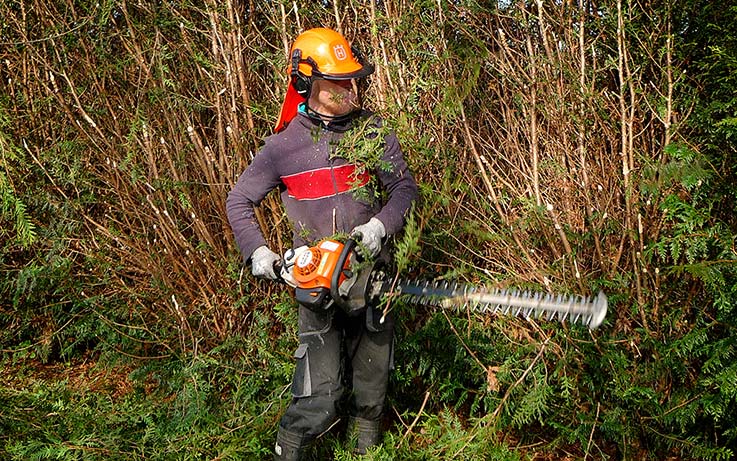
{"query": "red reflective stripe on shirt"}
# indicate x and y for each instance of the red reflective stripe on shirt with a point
(317, 184)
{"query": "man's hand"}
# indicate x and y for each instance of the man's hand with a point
(290, 257)
(371, 234)
(262, 263)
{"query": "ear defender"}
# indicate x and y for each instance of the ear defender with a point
(301, 83)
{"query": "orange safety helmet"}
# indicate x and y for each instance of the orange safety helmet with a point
(318, 53)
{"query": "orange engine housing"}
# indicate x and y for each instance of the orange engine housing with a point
(315, 267)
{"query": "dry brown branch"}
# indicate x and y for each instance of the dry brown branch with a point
(545, 109)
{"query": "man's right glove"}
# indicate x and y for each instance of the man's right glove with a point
(290, 257)
(262, 263)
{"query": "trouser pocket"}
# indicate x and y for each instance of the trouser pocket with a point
(302, 382)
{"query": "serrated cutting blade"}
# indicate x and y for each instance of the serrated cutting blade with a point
(589, 311)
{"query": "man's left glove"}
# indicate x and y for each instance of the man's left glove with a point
(371, 234)
(262, 262)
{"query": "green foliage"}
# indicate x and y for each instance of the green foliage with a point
(409, 244)
(698, 249)
(12, 208)
(362, 146)
(159, 410)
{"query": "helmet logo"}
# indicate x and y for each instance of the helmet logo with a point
(340, 52)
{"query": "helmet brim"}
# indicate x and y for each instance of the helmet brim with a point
(365, 70)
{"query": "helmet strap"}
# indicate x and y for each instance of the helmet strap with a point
(315, 115)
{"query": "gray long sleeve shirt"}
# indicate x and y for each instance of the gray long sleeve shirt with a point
(321, 192)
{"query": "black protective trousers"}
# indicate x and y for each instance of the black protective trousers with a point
(340, 359)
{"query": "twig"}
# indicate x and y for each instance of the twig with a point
(417, 417)
(338, 22)
(464, 344)
(521, 378)
(591, 436)
(490, 188)
(506, 396)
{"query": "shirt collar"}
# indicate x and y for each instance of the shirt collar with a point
(338, 125)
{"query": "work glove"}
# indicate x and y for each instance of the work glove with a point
(290, 257)
(370, 234)
(262, 263)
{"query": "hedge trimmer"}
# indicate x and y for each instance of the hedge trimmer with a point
(360, 283)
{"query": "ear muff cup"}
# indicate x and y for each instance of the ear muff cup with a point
(302, 84)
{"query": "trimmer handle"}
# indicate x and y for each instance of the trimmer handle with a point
(277, 271)
(348, 247)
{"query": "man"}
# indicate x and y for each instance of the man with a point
(324, 193)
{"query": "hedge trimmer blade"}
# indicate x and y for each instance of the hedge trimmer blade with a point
(589, 311)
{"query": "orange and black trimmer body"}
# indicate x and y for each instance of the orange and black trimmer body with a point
(320, 271)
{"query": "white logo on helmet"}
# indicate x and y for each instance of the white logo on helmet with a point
(340, 52)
